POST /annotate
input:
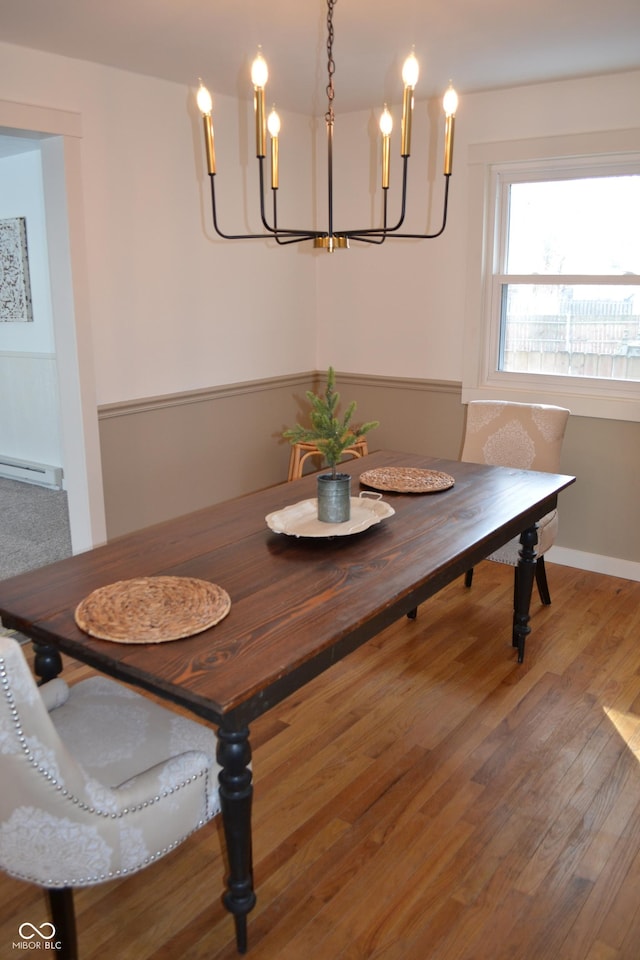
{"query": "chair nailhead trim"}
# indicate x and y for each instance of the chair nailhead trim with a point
(99, 878)
(86, 881)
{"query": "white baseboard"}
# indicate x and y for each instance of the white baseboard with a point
(42, 474)
(596, 562)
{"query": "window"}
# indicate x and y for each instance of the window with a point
(567, 293)
(554, 273)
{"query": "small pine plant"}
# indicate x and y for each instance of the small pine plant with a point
(330, 433)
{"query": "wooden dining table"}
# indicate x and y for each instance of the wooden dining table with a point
(298, 603)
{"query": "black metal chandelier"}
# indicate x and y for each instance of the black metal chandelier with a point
(329, 239)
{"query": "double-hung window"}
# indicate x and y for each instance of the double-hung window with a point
(560, 296)
(567, 292)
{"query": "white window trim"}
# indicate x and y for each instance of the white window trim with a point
(607, 399)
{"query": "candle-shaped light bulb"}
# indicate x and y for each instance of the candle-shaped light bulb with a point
(410, 71)
(450, 101)
(259, 77)
(273, 125)
(386, 122)
(386, 126)
(205, 103)
(450, 104)
(259, 71)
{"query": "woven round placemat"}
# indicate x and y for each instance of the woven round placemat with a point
(407, 480)
(152, 609)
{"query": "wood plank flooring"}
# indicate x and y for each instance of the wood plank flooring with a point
(425, 799)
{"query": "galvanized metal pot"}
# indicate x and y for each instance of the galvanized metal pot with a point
(334, 498)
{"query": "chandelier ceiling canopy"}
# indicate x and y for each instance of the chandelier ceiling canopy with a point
(328, 238)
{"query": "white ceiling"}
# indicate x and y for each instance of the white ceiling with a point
(480, 44)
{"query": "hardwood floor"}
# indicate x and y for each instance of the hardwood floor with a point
(425, 799)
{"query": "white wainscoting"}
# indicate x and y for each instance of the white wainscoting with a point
(29, 426)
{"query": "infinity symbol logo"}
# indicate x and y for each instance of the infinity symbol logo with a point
(37, 931)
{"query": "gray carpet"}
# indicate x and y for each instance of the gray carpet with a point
(34, 527)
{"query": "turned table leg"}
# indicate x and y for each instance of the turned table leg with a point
(525, 575)
(47, 663)
(236, 792)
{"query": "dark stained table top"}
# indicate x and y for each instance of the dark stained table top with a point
(298, 605)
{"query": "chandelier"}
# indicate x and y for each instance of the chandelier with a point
(330, 239)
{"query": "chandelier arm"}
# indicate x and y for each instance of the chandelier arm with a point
(291, 236)
(391, 234)
(403, 207)
(275, 217)
(263, 215)
(294, 235)
(403, 193)
(384, 230)
(445, 208)
(229, 236)
(278, 232)
(296, 239)
(279, 235)
(284, 237)
(377, 240)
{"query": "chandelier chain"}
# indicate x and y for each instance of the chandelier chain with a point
(331, 65)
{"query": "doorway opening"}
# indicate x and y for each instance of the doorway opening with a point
(55, 135)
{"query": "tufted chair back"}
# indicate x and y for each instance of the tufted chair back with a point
(505, 434)
(97, 781)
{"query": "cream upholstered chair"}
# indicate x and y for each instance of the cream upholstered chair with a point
(524, 435)
(97, 783)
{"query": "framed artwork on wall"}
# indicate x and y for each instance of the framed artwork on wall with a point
(15, 287)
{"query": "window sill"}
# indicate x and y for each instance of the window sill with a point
(603, 399)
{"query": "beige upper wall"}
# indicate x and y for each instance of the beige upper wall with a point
(400, 309)
(172, 310)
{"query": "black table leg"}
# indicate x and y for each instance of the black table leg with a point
(47, 662)
(236, 792)
(524, 586)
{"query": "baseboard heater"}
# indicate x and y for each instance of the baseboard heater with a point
(40, 473)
